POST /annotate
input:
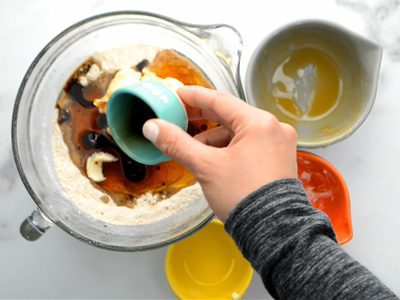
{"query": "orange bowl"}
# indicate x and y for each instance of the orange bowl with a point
(327, 191)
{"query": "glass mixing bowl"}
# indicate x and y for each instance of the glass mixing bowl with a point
(214, 49)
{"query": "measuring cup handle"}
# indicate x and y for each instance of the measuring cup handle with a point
(34, 226)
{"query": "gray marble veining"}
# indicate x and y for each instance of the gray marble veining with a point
(8, 172)
(382, 20)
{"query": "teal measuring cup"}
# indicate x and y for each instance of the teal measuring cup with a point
(129, 107)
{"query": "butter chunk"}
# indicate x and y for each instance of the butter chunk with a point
(94, 165)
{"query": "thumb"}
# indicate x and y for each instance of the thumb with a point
(174, 142)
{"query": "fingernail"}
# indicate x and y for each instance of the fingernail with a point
(150, 131)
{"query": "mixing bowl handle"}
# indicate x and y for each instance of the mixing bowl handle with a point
(226, 43)
(34, 226)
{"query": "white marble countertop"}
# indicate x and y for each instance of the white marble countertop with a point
(58, 266)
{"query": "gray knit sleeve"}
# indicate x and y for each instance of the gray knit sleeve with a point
(294, 249)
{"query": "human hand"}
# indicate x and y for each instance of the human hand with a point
(251, 148)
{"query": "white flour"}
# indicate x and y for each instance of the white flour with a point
(79, 188)
(124, 57)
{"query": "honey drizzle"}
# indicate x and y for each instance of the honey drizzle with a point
(165, 178)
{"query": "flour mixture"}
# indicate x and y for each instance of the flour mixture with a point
(95, 173)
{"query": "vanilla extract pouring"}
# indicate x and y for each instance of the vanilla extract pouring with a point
(138, 115)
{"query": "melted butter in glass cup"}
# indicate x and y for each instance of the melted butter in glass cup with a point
(316, 76)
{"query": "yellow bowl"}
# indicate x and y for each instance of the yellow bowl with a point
(207, 265)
